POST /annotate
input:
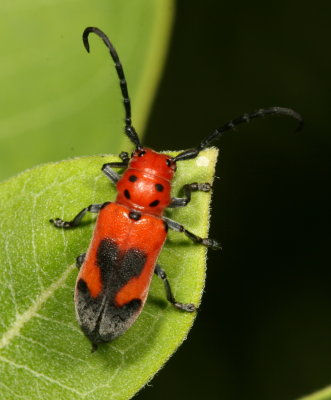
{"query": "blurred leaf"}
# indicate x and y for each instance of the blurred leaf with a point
(324, 394)
(43, 353)
(57, 101)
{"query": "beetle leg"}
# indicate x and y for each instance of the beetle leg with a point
(60, 223)
(107, 169)
(124, 156)
(170, 297)
(175, 226)
(80, 259)
(188, 189)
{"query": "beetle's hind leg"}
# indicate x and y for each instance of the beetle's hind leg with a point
(170, 297)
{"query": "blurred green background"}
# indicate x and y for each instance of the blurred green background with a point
(264, 328)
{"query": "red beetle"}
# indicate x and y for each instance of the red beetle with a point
(115, 273)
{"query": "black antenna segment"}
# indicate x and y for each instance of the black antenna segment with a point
(129, 129)
(262, 112)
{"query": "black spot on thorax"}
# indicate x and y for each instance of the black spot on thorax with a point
(159, 187)
(135, 215)
(133, 178)
(154, 203)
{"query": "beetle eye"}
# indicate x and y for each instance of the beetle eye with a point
(171, 163)
(138, 153)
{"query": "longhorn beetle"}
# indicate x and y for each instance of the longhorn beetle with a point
(115, 273)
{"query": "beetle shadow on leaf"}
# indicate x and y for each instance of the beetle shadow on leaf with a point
(157, 301)
(182, 243)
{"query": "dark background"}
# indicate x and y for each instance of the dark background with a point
(264, 328)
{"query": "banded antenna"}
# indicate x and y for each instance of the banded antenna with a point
(129, 129)
(262, 112)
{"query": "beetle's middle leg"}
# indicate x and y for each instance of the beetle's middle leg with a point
(60, 223)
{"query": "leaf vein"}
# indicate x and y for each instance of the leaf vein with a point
(28, 339)
(73, 328)
(22, 319)
(12, 392)
(40, 375)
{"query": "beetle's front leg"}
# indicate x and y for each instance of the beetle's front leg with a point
(107, 169)
(188, 189)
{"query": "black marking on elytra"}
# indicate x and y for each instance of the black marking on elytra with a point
(127, 194)
(100, 318)
(142, 153)
(154, 203)
(107, 254)
(133, 178)
(82, 286)
(159, 187)
(136, 215)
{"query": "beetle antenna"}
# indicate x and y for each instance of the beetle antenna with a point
(262, 112)
(129, 129)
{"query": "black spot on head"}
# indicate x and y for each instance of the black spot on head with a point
(142, 153)
(136, 215)
(168, 161)
(82, 286)
(127, 194)
(154, 203)
(159, 187)
(132, 178)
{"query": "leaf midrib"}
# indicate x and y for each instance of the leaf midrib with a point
(22, 319)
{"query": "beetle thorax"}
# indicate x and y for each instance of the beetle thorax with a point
(146, 184)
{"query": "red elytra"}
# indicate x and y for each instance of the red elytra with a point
(115, 273)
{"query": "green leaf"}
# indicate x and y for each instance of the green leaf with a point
(324, 394)
(43, 353)
(56, 100)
